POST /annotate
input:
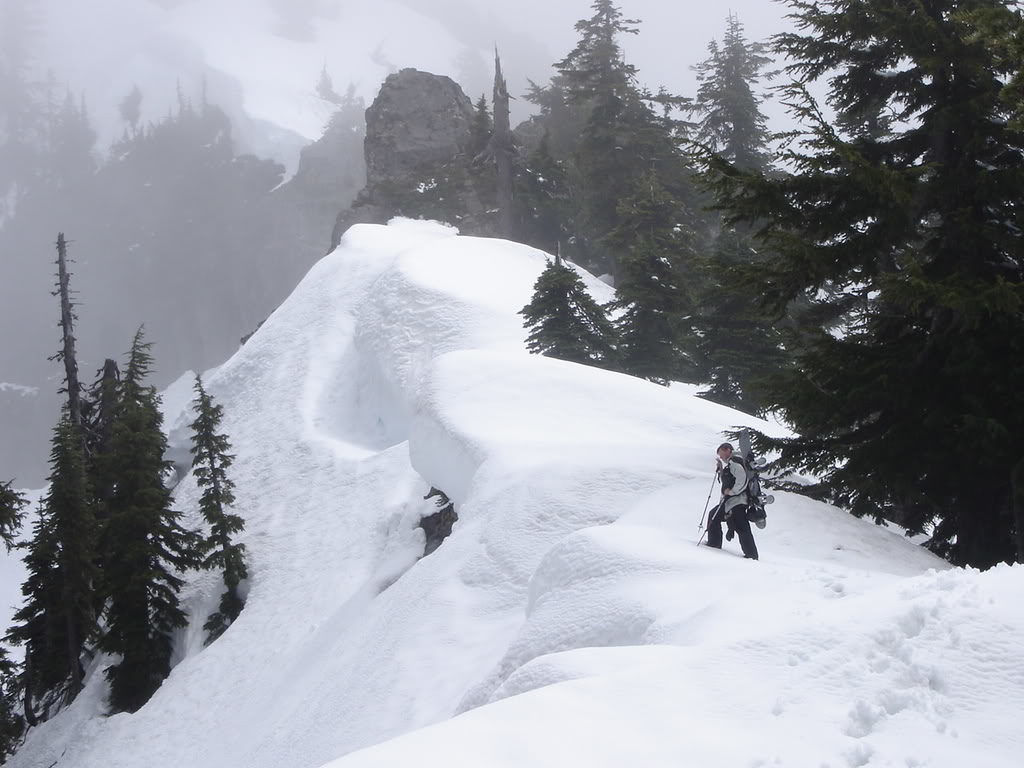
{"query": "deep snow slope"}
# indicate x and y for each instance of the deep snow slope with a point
(570, 618)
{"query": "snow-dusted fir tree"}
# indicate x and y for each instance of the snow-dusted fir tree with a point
(564, 321)
(210, 464)
(146, 546)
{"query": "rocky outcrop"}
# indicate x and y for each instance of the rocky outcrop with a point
(418, 123)
(438, 526)
(419, 158)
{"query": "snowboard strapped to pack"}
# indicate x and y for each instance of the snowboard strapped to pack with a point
(756, 499)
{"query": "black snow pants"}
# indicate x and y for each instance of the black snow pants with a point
(737, 523)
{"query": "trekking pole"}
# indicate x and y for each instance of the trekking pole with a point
(700, 526)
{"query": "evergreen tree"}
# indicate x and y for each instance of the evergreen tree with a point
(562, 118)
(546, 197)
(595, 71)
(99, 410)
(145, 544)
(71, 142)
(11, 504)
(131, 109)
(481, 129)
(564, 321)
(730, 121)
(655, 327)
(597, 79)
(12, 725)
(900, 232)
(325, 88)
(737, 341)
(57, 618)
(210, 464)
(36, 624)
(621, 137)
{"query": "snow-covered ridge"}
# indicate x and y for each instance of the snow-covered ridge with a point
(570, 616)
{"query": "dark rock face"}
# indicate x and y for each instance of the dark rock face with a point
(438, 526)
(417, 123)
(331, 169)
(418, 156)
(331, 172)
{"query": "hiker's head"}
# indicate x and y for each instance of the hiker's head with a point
(725, 451)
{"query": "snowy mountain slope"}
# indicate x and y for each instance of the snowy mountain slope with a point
(921, 673)
(571, 578)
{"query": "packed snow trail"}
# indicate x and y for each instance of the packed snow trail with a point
(569, 616)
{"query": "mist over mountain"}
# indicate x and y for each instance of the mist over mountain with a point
(144, 89)
(260, 57)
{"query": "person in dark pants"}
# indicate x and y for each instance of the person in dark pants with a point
(732, 509)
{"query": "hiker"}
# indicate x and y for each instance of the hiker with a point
(733, 507)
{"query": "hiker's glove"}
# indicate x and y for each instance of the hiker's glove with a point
(729, 534)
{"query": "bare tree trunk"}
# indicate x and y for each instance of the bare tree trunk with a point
(30, 715)
(504, 149)
(73, 650)
(1017, 500)
(67, 324)
(67, 355)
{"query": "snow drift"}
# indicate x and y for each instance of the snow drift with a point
(570, 618)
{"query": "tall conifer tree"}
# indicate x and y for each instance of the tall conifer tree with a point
(729, 117)
(738, 343)
(59, 592)
(655, 326)
(37, 623)
(900, 230)
(481, 128)
(57, 618)
(210, 463)
(145, 543)
(564, 321)
(598, 81)
(545, 195)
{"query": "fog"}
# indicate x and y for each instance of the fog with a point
(260, 58)
(202, 253)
